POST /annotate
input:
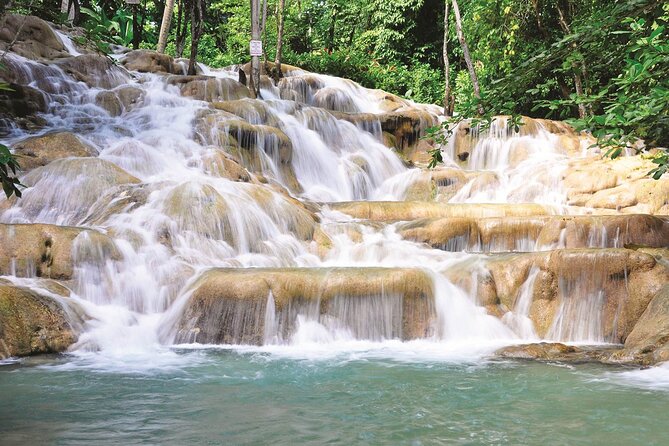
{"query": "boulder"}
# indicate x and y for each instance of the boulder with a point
(250, 144)
(230, 305)
(38, 250)
(39, 151)
(222, 164)
(651, 330)
(36, 40)
(32, 323)
(210, 89)
(64, 190)
(94, 70)
(129, 96)
(19, 106)
(553, 351)
(268, 68)
(579, 291)
(149, 61)
(255, 112)
(110, 102)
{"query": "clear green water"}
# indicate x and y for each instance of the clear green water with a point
(254, 398)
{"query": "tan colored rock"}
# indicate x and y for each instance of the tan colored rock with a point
(36, 41)
(120, 199)
(94, 70)
(210, 89)
(267, 67)
(652, 328)
(129, 96)
(221, 164)
(247, 142)
(248, 110)
(413, 210)
(71, 186)
(628, 280)
(509, 272)
(31, 323)
(108, 101)
(615, 198)
(606, 231)
(39, 151)
(543, 351)
(148, 61)
(229, 305)
(48, 250)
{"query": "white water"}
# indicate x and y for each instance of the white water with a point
(180, 217)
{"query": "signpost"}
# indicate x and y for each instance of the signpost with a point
(135, 27)
(255, 47)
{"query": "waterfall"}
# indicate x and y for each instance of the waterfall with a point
(188, 178)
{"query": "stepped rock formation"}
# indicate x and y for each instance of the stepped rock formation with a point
(309, 216)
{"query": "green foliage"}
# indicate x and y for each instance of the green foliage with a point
(104, 30)
(8, 164)
(632, 110)
(8, 168)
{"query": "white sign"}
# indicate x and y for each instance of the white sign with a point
(132, 2)
(256, 48)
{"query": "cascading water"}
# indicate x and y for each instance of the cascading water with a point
(162, 188)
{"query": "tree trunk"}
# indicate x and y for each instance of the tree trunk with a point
(279, 40)
(182, 25)
(468, 57)
(165, 25)
(537, 15)
(264, 18)
(69, 7)
(448, 111)
(578, 80)
(255, 61)
(196, 15)
(333, 25)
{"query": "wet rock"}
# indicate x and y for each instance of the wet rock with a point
(229, 305)
(334, 99)
(552, 351)
(250, 145)
(130, 96)
(413, 210)
(255, 112)
(563, 138)
(405, 126)
(36, 41)
(31, 323)
(530, 233)
(268, 67)
(108, 101)
(64, 190)
(606, 231)
(94, 70)
(124, 198)
(38, 250)
(223, 165)
(649, 340)
(19, 106)
(543, 351)
(39, 151)
(210, 89)
(614, 285)
(148, 61)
